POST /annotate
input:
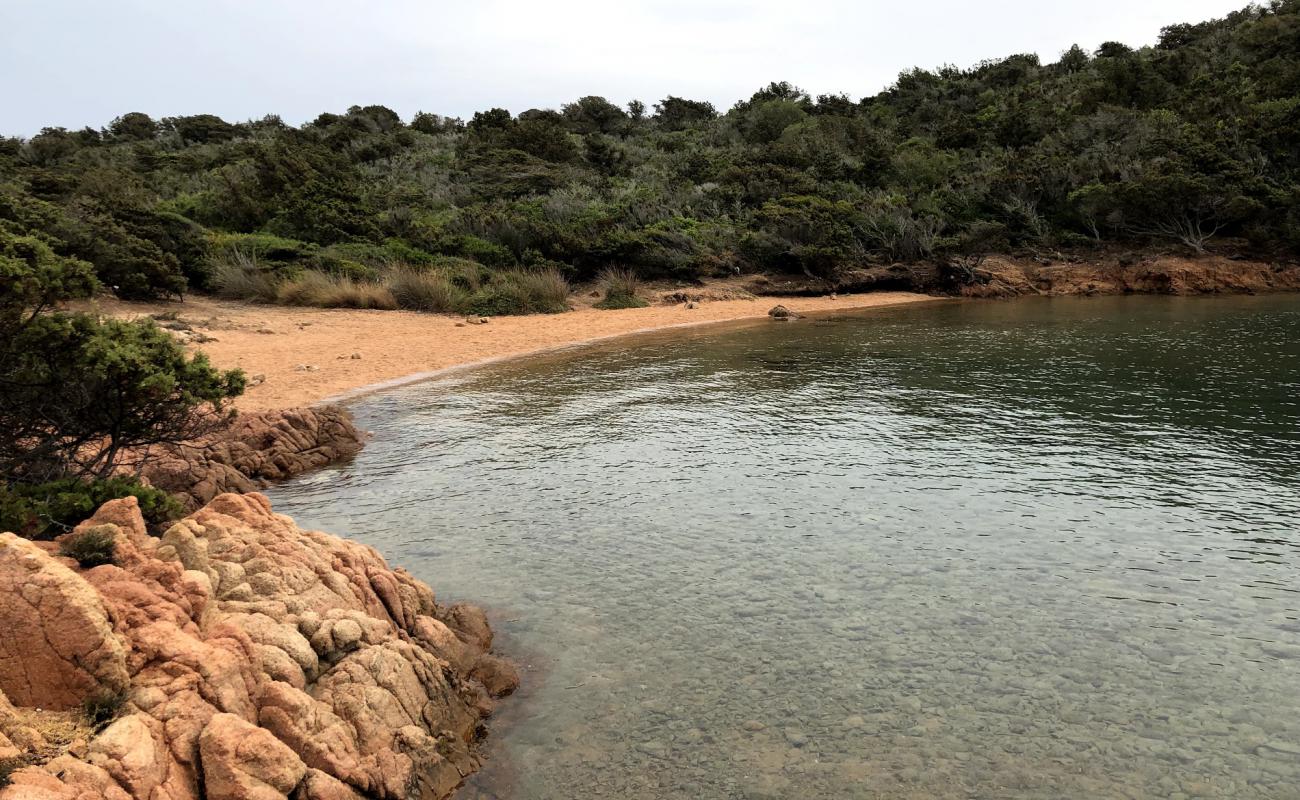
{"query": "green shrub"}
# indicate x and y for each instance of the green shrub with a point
(521, 292)
(481, 250)
(92, 548)
(498, 299)
(404, 253)
(619, 287)
(428, 291)
(360, 261)
(102, 708)
(48, 509)
(464, 273)
(265, 248)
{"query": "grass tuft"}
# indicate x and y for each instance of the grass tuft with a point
(317, 289)
(619, 287)
(431, 292)
(238, 276)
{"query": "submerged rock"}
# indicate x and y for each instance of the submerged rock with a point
(249, 659)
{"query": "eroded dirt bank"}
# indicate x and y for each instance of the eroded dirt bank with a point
(1016, 277)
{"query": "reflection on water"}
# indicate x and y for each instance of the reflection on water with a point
(1030, 549)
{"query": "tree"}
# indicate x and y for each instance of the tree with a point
(594, 115)
(435, 124)
(812, 234)
(133, 127)
(201, 128)
(79, 394)
(676, 113)
(766, 121)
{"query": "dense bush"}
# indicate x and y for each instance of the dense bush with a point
(1183, 144)
(520, 292)
(79, 396)
(46, 510)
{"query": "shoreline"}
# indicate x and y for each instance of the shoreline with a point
(578, 344)
(309, 356)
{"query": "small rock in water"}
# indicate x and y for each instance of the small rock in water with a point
(754, 726)
(1279, 748)
(796, 738)
(782, 313)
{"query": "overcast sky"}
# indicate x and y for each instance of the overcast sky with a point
(82, 62)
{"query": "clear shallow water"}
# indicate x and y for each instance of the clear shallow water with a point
(1025, 549)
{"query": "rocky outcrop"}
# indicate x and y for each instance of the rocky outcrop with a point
(253, 451)
(251, 660)
(1128, 275)
(1013, 277)
(57, 646)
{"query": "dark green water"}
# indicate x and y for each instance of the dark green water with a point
(1032, 549)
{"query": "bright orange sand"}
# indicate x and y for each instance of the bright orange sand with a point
(305, 355)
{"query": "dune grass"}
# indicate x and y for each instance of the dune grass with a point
(619, 289)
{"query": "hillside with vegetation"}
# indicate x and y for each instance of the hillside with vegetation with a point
(1185, 143)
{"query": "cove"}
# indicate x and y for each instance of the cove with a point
(1041, 548)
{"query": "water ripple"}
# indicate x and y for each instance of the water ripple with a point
(1031, 549)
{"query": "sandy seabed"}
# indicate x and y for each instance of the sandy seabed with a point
(308, 355)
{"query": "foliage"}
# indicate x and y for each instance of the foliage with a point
(91, 548)
(102, 708)
(1185, 144)
(334, 291)
(44, 510)
(76, 392)
(520, 292)
(238, 276)
(618, 288)
(428, 291)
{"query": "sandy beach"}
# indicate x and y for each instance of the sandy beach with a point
(307, 355)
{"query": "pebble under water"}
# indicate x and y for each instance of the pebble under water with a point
(1028, 549)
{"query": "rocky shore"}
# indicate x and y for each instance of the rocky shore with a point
(253, 451)
(1017, 277)
(237, 656)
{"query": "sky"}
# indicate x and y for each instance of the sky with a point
(74, 63)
